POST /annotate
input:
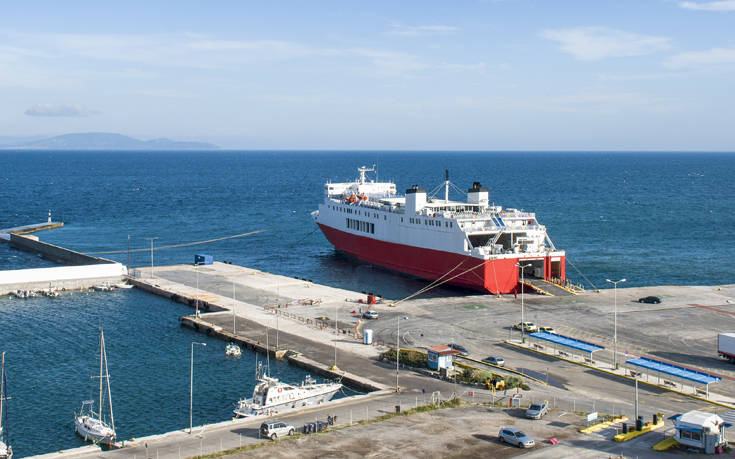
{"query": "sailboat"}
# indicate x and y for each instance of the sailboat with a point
(94, 426)
(6, 452)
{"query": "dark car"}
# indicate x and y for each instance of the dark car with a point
(650, 300)
(495, 360)
(462, 350)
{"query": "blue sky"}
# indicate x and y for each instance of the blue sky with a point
(464, 75)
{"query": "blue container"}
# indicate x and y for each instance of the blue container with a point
(201, 259)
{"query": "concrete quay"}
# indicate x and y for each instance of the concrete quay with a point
(25, 229)
(237, 303)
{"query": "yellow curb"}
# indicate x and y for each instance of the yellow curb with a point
(602, 425)
(504, 369)
(665, 444)
(637, 433)
(702, 399)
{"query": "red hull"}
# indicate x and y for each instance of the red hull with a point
(494, 276)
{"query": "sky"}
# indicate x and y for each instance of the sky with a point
(386, 75)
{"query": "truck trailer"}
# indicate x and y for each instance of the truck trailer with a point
(726, 345)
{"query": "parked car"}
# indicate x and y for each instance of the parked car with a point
(516, 437)
(462, 350)
(275, 429)
(537, 410)
(547, 330)
(526, 326)
(495, 360)
(370, 314)
(650, 300)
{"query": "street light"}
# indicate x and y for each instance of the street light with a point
(196, 301)
(151, 239)
(191, 385)
(615, 319)
(523, 283)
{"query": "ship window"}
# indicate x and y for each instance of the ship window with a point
(385, 218)
(401, 219)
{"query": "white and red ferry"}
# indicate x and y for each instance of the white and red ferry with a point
(472, 244)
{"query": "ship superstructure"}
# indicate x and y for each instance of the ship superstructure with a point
(473, 244)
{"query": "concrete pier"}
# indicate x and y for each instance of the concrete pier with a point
(25, 229)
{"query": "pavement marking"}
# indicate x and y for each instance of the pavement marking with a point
(732, 313)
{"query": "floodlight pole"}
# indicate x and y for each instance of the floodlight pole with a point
(523, 283)
(615, 323)
(191, 385)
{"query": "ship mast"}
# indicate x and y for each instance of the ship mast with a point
(446, 186)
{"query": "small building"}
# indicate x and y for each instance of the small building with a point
(440, 356)
(699, 429)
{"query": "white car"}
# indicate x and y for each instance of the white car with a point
(275, 429)
(537, 410)
(516, 437)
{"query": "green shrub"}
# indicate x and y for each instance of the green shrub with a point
(409, 358)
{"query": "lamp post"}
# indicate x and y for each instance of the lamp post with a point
(196, 302)
(336, 332)
(523, 283)
(191, 385)
(151, 239)
(615, 320)
(398, 351)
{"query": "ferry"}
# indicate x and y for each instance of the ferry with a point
(272, 396)
(473, 244)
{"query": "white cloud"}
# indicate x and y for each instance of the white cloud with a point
(418, 31)
(694, 59)
(722, 5)
(595, 43)
(60, 110)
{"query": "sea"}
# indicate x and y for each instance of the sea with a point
(653, 218)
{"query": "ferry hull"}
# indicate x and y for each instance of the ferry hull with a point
(494, 276)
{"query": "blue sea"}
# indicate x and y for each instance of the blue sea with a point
(653, 218)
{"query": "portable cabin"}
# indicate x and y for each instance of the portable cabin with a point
(700, 430)
(440, 356)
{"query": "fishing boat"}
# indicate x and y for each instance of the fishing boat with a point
(94, 426)
(233, 350)
(472, 243)
(272, 396)
(6, 452)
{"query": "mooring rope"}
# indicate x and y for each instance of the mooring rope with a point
(580, 273)
(174, 246)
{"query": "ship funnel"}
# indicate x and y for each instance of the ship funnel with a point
(478, 194)
(415, 199)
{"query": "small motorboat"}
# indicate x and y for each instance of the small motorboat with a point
(123, 285)
(233, 350)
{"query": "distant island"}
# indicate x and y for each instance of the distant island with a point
(106, 141)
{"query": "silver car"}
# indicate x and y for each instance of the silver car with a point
(537, 410)
(275, 429)
(516, 437)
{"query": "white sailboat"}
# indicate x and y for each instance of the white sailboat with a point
(94, 426)
(6, 452)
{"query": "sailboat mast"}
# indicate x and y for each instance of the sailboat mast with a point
(109, 394)
(2, 391)
(102, 347)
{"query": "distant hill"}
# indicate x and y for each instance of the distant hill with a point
(108, 141)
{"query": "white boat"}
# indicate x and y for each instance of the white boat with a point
(123, 285)
(233, 350)
(271, 396)
(20, 294)
(94, 426)
(103, 287)
(6, 452)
